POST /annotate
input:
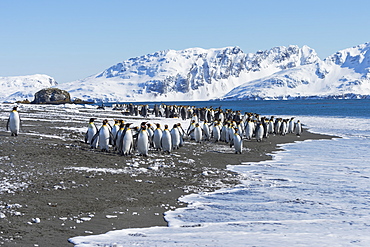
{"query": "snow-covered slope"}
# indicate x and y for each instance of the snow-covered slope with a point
(190, 74)
(204, 74)
(15, 88)
(345, 74)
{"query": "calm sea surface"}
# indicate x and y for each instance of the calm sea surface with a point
(340, 108)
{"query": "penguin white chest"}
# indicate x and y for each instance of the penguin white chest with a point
(14, 122)
(166, 141)
(175, 136)
(198, 134)
(143, 143)
(104, 138)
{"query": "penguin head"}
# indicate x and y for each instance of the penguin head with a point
(92, 120)
(15, 108)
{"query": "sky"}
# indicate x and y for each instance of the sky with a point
(73, 39)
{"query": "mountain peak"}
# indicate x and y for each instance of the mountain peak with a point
(189, 74)
(218, 73)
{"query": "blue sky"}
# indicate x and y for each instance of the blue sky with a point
(73, 39)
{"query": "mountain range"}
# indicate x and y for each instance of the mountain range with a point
(226, 74)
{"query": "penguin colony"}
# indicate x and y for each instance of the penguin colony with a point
(205, 124)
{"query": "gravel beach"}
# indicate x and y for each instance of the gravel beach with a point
(54, 187)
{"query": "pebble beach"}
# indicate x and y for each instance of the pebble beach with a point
(54, 186)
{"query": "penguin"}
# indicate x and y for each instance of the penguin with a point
(284, 128)
(277, 126)
(105, 136)
(259, 132)
(183, 112)
(150, 130)
(298, 128)
(223, 132)
(229, 135)
(197, 133)
(14, 122)
(190, 129)
(117, 138)
(90, 133)
(116, 127)
(166, 141)
(237, 142)
(206, 131)
(271, 126)
(143, 141)
(182, 134)
(216, 131)
(157, 136)
(291, 126)
(126, 141)
(249, 129)
(175, 137)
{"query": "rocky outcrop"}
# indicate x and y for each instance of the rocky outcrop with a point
(52, 96)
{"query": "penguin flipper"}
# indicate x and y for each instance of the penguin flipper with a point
(7, 124)
(111, 139)
(94, 139)
(86, 136)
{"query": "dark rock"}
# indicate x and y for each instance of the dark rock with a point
(26, 101)
(51, 96)
(80, 101)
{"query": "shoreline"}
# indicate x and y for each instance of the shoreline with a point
(76, 191)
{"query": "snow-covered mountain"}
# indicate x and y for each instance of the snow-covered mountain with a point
(345, 74)
(203, 74)
(15, 88)
(190, 74)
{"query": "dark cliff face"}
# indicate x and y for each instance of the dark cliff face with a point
(51, 96)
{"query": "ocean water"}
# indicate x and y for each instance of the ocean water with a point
(314, 193)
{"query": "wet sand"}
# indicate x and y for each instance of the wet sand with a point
(75, 190)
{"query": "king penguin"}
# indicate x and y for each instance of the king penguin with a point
(175, 137)
(126, 141)
(197, 133)
(105, 136)
(14, 122)
(216, 131)
(298, 128)
(259, 132)
(238, 142)
(91, 131)
(143, 141)
(157, 136)
(166, 141)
